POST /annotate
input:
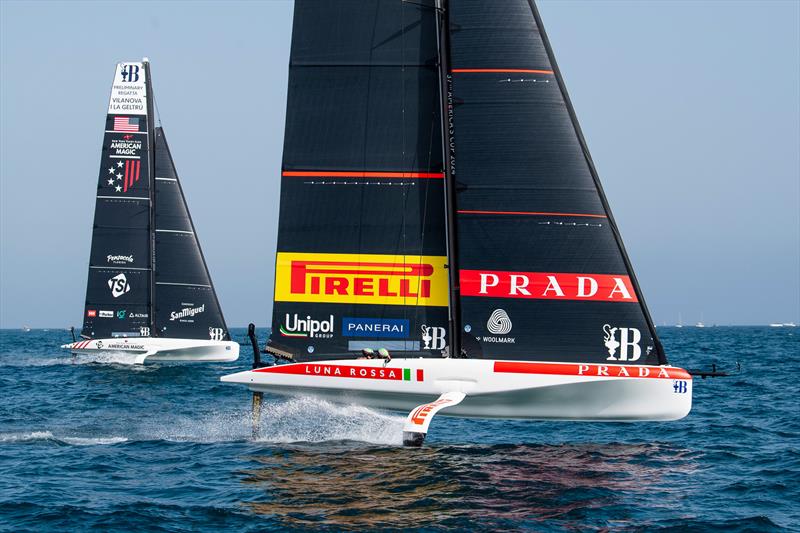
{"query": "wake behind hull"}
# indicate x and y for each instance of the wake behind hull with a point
(494, 389)
(161, 349)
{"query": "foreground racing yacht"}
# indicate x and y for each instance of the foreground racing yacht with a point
(149, 292)
(438, 201)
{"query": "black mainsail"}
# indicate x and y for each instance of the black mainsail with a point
(361, 246)
(147, 274)
(422, 131)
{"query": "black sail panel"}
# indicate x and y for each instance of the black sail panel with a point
(543, 274)
(361, 246)
(186, 304)
(118, 293)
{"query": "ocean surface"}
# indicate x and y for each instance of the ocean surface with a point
(101, 444)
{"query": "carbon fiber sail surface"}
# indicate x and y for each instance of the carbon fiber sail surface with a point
(186, 304)
(361, 245)
(118, 293)
(543, 274)
(147, 274)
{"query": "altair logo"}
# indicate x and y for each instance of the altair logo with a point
(294, 326)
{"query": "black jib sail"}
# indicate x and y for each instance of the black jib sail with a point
(142, 226)
(542, 269)
(361, 244)
(186, 304)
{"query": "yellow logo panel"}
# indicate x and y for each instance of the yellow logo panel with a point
(411, 280)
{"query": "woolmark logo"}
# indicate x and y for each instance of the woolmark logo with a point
(628, 343)
(119, 285)
(119, 259)
(499, 323)
(294, 326)
(361, 279)
(187, 312)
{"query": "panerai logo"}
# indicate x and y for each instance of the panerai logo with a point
(433, 337)
(628, 343)
(294, 326)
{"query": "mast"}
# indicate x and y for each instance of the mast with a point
(151, 175)
(448, 146)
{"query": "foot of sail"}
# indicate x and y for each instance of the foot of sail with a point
(419, 419)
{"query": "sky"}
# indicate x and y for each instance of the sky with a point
(691, 111)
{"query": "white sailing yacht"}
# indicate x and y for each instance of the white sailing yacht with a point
(149, 291)
(438, 201)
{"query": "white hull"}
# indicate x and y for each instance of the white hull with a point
(493, 389)
(161, 349)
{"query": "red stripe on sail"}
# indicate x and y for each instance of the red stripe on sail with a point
(530, 213)
(586, 369)
(347, 174)
(127, 174)
(500, 70)
(138, 168)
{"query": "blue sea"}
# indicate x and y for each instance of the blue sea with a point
(91, 444)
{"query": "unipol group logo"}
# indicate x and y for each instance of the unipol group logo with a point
(433, 337)
(294, 326)
(626, 340)
(119, 285)
(499, 323)
(361, 279)
(130, 73)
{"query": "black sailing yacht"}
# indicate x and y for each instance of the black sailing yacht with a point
(149, 291)
(438, 200)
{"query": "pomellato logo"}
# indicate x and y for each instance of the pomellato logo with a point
(361, 279)
(294, 326)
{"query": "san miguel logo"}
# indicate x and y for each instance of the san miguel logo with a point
(361, 279)
(549, 286)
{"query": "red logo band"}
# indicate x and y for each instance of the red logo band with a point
(547, 285)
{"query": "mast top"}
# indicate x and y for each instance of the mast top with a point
(145, 60)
